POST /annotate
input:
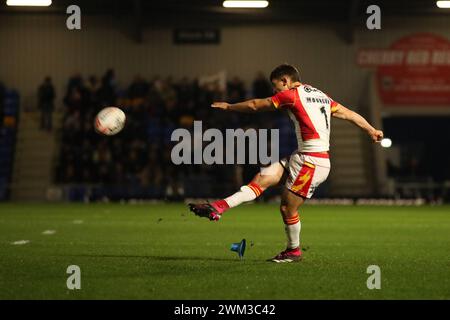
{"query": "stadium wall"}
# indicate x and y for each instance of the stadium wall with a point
(102, 44)
(50, 48)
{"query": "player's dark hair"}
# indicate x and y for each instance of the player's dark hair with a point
(285, 70)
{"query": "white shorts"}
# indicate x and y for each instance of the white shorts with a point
(305, 172)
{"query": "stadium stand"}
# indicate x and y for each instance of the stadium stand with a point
(9, 110)
(136, 163)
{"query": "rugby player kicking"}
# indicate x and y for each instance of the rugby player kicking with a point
(310, 109)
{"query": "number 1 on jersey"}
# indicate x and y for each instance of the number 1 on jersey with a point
(325, 115)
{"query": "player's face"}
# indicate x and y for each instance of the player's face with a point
(284, 83)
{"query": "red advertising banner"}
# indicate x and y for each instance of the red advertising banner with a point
(414, 70)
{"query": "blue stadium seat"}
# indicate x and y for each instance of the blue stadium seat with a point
(167, 134)
(76, 193)
(11, 93)
(3, 188)
(5, 172)
(10, 110)
(5, 163)
(154, 130)
(7, 132)
(98, 193)
(7, 139)
(3, 192)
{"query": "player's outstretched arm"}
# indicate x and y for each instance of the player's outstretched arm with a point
(342, 112)
(253, 105)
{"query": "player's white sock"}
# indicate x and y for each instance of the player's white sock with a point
(247, 193)
(292, 228)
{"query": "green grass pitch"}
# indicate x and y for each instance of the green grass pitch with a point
(162, 251)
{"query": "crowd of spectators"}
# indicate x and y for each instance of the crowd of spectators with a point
(138, 158)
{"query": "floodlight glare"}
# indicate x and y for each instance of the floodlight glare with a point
(245, 4)
(443, 4)
(386, 143)
(38, 3)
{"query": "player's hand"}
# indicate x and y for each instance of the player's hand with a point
(376, 135)
(220, 105)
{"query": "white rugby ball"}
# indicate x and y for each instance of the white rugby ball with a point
(109, 121)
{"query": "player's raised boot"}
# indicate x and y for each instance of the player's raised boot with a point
(205, 210)
(288, 255)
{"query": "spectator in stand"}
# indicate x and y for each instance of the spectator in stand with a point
(103, 160)
(46, 103)
(107, 92)
(92, 90)
(139, 88)
(261, 87)
(74, 101)
(184, 89)
(236, 90)
(165, 90)
(75, 81)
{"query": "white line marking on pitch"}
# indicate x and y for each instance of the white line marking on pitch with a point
(77, 221)
(20, 242)
(49, 232)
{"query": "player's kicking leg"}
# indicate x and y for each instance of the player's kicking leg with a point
(267, 177)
